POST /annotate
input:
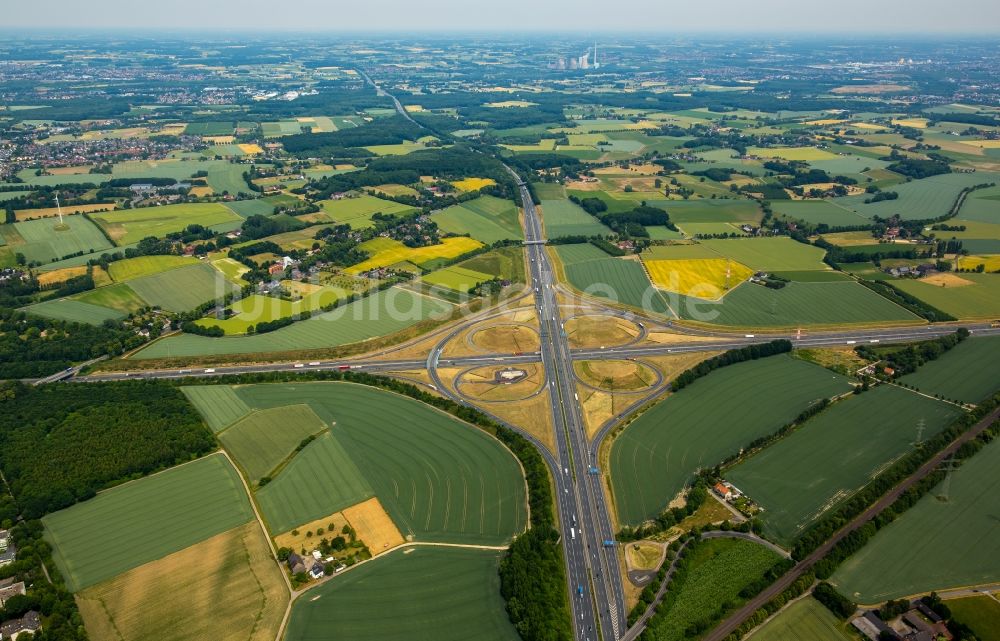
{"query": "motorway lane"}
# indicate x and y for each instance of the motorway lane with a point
(593, 570)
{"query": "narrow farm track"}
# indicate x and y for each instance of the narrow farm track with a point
(726, 627)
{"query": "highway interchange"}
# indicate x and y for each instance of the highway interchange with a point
(593, 569)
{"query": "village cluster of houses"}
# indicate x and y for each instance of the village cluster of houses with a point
(311, 564)
(919, 623)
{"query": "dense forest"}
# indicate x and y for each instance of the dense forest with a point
(61, 443)
(33, 347)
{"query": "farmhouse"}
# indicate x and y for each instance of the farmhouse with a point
(316, 571)
(723, 491)
(295, 563)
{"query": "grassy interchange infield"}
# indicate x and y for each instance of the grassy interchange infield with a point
(807, 618)
(380, 314)
(487, 219)
(967, 372)
(132, 225)
(659, 452)
(413, 594)
(145, 520)
(439, 479)
(937, 544)
(718, 570)
(796, 480)
(225, 587)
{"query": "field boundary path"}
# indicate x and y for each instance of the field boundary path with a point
(723, 630)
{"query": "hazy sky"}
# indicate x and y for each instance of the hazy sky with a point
(785, 16)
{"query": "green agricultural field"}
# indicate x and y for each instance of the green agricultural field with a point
(487, 219)
(182, 289)
(377, 315)
(413, 594)
(218, 404)
(439, 479)
(210, 128)
(806, 619)
(145, 520)
(44, 241)
(695, 251)
(834, 454)
(770, 254)
(584, 252)
(549, 191)
(817, 212)
(919, 199)
(256, 308)
(617, 280)
(979, 299)
(132, 225)
(814, 276)
(147, 265)
(563, 218)
(710, 211)
(456, 278)
(260, 206)
(798, 303)
(318, 481)
(506, 263)
(264, 440)
(982, 205)
(358, 212)
(119, 297)
(949, 539)
(966, 373)
(980, 613)
(717, 571)
(699, 426)
(76, 311)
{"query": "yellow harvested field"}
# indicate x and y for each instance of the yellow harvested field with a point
(61, 275)
(372, 525)
(414, 109)
(73, 170)
(825, 121)
(473, 184)
(250, 149)
(201, 190)
(219, 140)
(707, 278)
(534, 415)
(227, 588)
(946, 280)
(866, 125)
(511, 103)
(51, 212)
(992, 263)
(915, 123)
(387, 252)
(982, 144)
(307, 536)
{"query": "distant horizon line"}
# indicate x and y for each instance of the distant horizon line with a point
(799, 34)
